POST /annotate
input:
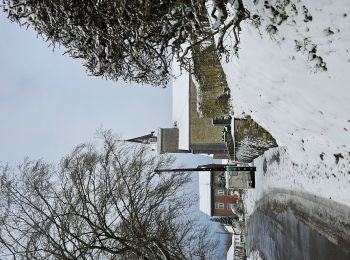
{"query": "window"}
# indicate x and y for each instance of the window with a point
(231, 205)
(219, 205)
(219, 192)
(242, 239)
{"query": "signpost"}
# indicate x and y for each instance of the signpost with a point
(237, 177)
(240, 177)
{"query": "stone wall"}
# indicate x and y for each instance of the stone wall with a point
(201, 129)
(209, 74)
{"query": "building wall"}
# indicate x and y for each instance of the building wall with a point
(201, 129)
(168, 140)
(209, 149)
(209, 74)
(224, 199)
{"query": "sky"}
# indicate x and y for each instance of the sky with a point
(49, 104)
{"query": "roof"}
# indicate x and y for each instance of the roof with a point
(145, 139)
(181, 96)
(205, 192)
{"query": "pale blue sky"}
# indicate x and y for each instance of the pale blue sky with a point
(48, 103)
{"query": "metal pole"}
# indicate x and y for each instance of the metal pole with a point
(222, 167)
(190, 170)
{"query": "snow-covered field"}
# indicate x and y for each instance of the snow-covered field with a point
(282, 86)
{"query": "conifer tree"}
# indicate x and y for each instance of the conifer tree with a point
(133, 40)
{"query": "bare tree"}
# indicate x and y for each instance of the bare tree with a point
(105, 203)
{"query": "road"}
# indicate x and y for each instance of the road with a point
(285, 223)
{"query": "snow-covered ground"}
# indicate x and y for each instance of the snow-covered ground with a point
(308, 113)
(275, 169)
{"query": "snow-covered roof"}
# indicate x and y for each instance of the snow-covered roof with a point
(181, 104)
(204, 192)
